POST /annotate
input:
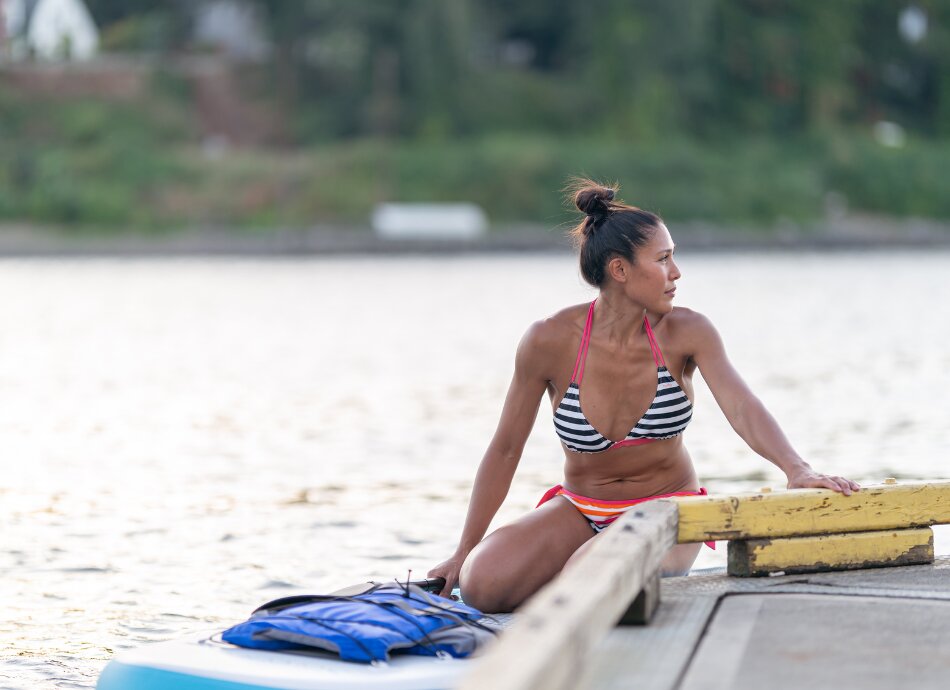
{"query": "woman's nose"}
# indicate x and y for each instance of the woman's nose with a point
(675, 274)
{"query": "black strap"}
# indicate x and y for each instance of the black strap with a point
(434, 584)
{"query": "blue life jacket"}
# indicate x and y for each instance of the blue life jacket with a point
(366, 626)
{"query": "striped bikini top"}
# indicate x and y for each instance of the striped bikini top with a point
(667, 416)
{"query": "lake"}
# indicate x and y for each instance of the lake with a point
(184, 439)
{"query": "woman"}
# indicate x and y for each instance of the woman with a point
(633, 351)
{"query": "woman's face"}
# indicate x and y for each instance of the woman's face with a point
(653, 277)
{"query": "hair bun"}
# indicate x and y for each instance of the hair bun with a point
(594, 200)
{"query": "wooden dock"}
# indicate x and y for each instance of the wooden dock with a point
(856, 613)
(884, 629)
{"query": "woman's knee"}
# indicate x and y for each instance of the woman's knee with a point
(516, 560)
(480, 581)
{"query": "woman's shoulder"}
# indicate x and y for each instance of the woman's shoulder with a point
(686, 325)
(552, 334)
(684, 317)
(561, 325)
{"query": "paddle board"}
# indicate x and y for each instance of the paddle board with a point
(205, 662)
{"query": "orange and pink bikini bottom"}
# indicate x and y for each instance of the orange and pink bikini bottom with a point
(600, 513)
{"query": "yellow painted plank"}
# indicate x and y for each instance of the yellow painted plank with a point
(824, 552)
(549, 643)
(798, 512)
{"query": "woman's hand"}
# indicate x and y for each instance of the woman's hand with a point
(449, 569)
(807, 478)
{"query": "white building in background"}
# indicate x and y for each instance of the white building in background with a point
(53, 30)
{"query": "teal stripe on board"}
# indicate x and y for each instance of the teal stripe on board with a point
(119, 676)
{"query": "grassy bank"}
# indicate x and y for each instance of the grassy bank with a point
(106, 167)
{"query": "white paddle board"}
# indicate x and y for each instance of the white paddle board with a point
(206, 663)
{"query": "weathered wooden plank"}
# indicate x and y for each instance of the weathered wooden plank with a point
(825, 552)
(550, 641)
(799, 512)
(644, 604)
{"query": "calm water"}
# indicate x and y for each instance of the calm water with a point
(183, 440)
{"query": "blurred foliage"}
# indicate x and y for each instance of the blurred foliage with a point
(142, 25)
(627, 68)
(517, 178)
(909, 181)
(744, 111)
(84, 162)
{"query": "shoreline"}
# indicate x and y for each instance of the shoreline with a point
(842, 234)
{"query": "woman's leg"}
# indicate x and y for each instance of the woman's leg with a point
(679, 560)
(516, 560)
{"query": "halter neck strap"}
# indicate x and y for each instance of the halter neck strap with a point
(657, 354)
(581, 360)
(578, 372)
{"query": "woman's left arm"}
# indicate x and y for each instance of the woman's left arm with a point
(748, 415)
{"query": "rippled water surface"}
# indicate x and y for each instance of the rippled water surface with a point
(185, 439)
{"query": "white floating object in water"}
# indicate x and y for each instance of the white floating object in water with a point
(430, 221)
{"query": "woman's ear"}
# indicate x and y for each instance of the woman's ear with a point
(617, 269)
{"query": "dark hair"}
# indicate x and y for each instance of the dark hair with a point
(610, 227)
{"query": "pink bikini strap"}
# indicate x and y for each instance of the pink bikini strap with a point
(578, 372)
(657, 355)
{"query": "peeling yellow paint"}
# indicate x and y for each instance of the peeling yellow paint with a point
(831, 552)
(799, 512)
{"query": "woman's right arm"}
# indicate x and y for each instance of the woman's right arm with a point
(498, 465)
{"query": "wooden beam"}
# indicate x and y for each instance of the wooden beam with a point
(824, 552)
(799, 512)
(553, 634)
(644, 604)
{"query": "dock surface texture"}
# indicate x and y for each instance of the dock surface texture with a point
(873, 629)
